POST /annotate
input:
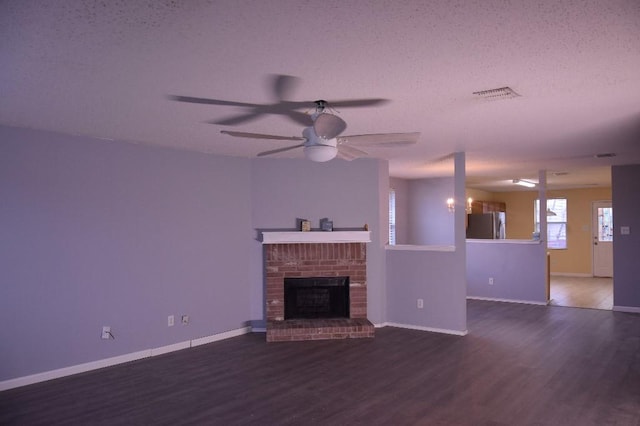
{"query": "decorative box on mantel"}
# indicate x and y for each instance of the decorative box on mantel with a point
(307, 261)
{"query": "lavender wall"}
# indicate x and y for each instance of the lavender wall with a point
(436, 276)
(430, 222)
(518, 270)
(349, 193)
(427, 275)
(625, 186)
(105, 233)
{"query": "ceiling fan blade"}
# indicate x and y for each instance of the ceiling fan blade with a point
(238, 119)
(381, 139)
(349, 153)
(354, 103)
(275, 151)
(207, 101)
(328, 126)
(261, 136)
(300, 118)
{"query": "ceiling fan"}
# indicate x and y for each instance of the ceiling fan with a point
(281, 87)
(321, 141)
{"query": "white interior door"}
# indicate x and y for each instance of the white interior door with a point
(602, 239)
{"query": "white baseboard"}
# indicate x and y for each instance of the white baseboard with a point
(74, 369)
(171, 348)
(431, 329)
(120, 359)
(220, 336)
(493, 299)
(629, 309)
(571, 274)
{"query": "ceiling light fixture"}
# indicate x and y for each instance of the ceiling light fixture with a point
(319, 149)
(320, 153)
(523, 182)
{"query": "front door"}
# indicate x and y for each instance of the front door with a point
(602, 239)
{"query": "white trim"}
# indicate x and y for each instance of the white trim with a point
(629, 309)
(409, 247)
(170, 348)
(120, 359)
(381, 325)
(571, 274)
(493, 299)
(220, 336)
(74, 369)
(316, 237)
(430, 329)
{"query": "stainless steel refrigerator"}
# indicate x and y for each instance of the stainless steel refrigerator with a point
(486, 225)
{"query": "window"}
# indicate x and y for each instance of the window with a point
(392, 217)
(556, 222)
(605, 224)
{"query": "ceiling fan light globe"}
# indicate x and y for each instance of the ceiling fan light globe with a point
(320, 153)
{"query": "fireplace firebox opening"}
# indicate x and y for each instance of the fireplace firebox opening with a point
(316, 297)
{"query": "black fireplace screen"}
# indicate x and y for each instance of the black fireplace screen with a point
(316, 297)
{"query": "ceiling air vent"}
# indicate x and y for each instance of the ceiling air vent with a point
(495, 94)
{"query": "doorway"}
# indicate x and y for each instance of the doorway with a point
(594, 292)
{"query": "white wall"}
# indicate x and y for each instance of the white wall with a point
(401, 188)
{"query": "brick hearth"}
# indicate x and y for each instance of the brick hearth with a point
(316, 260)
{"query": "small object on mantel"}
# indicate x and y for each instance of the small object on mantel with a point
(326, 224)
(304, 225)
(366, 227)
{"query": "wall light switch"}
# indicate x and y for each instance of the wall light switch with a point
(420, 303)
(171, 320)
(625, 230)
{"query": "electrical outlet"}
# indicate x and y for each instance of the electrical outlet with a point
(490, 280)
(185, 319)
(420, 303)
(171, 319)
(106, 332)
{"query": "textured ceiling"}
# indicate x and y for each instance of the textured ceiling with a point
(107, 69)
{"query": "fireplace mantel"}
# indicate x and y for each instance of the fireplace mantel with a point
(297, 237)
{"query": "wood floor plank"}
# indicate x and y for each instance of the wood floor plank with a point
(519, 365)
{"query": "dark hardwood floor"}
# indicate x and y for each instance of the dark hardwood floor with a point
(519, 365)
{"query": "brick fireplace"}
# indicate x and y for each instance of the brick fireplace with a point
(316, 259)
